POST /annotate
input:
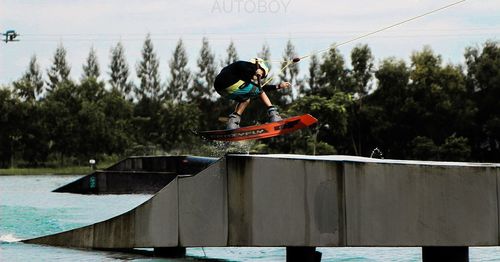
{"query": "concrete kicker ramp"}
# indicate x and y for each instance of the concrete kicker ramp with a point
(137, 175)
(317, 201)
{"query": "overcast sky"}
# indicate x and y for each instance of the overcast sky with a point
(311, 25)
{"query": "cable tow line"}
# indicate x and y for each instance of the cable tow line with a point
(298, 59)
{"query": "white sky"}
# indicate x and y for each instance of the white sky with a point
(311, 25)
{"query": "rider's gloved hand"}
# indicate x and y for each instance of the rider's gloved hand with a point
(283, 85)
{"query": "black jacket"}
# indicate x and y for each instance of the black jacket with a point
(239, 70)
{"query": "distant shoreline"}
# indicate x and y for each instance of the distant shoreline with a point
(70, 170)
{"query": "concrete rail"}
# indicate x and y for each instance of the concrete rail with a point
(305, 201)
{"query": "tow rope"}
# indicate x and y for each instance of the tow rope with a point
(298, 59)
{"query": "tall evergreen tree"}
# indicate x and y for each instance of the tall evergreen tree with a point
(91, 68)
(60, 69)
(178, 85)
(202, 90)
(91, 88)
(232, 55)
(290, 73)
(147, 72)
(203, 82)
(149, 96)
(31, 83)
(265, 53)
(314, 74)
(119, 71)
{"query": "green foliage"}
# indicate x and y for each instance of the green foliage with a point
(290, 74)
(388, 123)
(147, 121)
(204, 79)
(362, 69)
(7, 126)
(176, 122)
(30, 86)
(483, 67)
(333, 76)
(330, 111)
(119, 71)
(265, 53)
(180, 75)
(32, 146)
(118, 114)
(147, 72)
(423, 110)
(91, 68)
(232, 55)
(423, 148)
(59, 109)
(358, 80)
(320, 148)
(455, 149)
(60, 69)
(332, 116)
(437, 95)
(314, 75)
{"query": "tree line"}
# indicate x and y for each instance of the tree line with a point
(420, 109)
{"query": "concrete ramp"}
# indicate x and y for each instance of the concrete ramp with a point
(137, 175)
(307, 201)
(155, 223)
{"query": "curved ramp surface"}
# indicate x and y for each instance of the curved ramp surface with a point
(294, 200)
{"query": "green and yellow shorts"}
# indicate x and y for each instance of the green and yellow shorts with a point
(241, 91)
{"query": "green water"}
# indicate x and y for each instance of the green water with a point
(29, 209)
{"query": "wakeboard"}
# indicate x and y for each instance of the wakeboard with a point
(267, 130)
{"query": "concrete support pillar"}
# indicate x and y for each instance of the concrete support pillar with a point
(171, 252)
(302, 254)
(454, 254)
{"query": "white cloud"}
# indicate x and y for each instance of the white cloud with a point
(312, 25)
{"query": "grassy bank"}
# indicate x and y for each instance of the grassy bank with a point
(69, 170)
(45, 170)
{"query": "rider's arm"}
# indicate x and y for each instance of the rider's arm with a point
(268, 88)
(276, 87)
